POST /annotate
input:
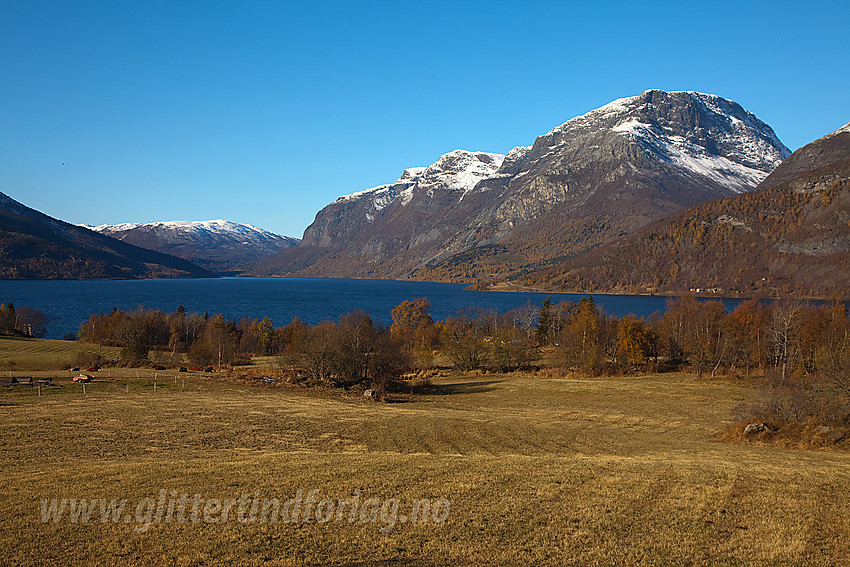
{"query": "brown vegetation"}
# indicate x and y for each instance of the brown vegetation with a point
(788, 239)
(803, 350)
(591, 471)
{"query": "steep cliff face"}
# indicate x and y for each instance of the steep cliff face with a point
(790, 235)
(473, 216)
(386, 231)
(420, 192)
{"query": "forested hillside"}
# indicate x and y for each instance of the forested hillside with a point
(36, 246)
(791, 235)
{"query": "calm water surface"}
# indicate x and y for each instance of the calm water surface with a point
(69, 303)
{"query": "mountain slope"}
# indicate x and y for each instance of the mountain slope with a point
(36, 246)
(791, 235)
(384, 231)
(218, 245)
(586, 182)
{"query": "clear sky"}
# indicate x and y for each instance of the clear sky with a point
(263, 112)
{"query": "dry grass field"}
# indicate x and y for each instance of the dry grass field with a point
(537, 471)
(18, 354)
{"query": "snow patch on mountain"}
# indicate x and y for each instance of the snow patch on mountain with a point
(409, 175)
(845, 128)
(458, 170)
(461, 170)
(729, 145)
(611, 110)
(515, 154)
(211, 229)
(693, 157)
(753, 143)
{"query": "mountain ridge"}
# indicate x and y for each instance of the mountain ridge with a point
(36, 246)
(789, 236)
(221, 246)
(590, 180)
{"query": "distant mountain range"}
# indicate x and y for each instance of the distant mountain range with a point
(789, 236)
(36, 246)
(474, 216)
(221, 246)
(657, 193)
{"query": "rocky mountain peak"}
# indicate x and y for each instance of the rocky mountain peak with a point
(843, 129)
(822, 155)
(701, 135)
(461, 170)
(458, 170)
(591, 179)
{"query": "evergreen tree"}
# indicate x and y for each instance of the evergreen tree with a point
(544, 322)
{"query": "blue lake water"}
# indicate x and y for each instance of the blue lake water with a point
(69, 303)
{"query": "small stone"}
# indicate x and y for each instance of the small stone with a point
(754, 428)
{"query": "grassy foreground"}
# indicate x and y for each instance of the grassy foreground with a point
(22, 354)
(537, 471)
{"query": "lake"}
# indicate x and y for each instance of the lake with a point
(68, 303)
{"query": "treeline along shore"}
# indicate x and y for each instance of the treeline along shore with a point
(786, 339)
(797, 354)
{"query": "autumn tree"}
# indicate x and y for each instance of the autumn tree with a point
(833, 355)
(135, 340)
(784, 335)
(813, 325)
(256, 337)
(353, 340)
(290, 343)
(408, 316)
(462, 341)
(524, 318)
(580, 336)
(8, 319)
(510, 350)
(746, 327)
(634, 340)
(318, 350)
(218, 344)
(388, 360)
(414, 327)
(693, 331)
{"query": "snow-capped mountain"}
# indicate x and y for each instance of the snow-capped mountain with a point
(459, 170)
(36, 246)
(474, 215)
(719, 140)
(793, 226)
(218, 245)
(447, 181)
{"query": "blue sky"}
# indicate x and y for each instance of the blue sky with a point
(264, 112)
